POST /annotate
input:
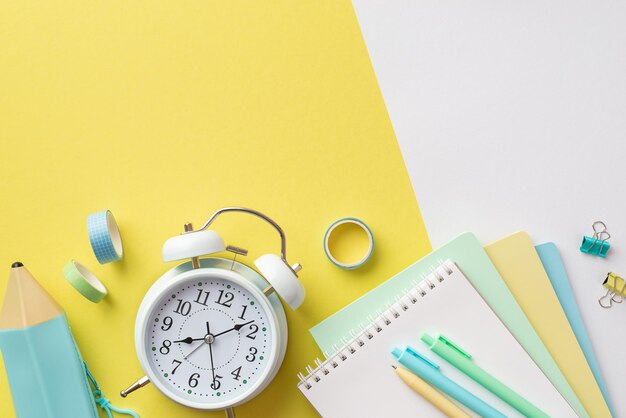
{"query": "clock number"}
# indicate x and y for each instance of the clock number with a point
(243, 312)
(177, 363)
(165, 348)
(215, 384)
(228, 298)
(167, 323)
(183, 308)
(203, 297)
(236, 373)
(193, 380)
(252, 356)
(255, 329)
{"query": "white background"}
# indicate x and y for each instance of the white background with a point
(511, 115)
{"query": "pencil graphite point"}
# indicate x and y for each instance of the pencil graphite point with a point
(17, 264)
(394, 367)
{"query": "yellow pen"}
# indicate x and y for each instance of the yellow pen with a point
(430, 394)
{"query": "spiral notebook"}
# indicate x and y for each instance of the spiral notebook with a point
(358, 380)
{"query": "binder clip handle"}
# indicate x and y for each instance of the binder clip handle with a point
(599, 227)
(609, 298)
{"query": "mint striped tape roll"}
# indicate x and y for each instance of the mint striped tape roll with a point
(84, 281)
(104, 236)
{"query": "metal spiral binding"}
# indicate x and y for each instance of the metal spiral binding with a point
(358, 338)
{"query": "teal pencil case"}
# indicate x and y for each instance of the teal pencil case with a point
(46, 372)
(47, 375)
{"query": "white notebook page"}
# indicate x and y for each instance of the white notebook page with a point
(365, 384)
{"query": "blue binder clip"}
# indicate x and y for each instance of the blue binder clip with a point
(598, 243)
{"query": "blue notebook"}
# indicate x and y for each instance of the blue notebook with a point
(553, 265)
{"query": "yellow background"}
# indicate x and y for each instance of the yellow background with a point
(164, 112)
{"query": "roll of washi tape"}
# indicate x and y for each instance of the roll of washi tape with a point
(84, 281)
(348, 243)
(104, 236)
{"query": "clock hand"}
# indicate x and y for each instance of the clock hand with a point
(208, 330)
(207, 339)
(193, 351)
(189, 340)
(235, 328)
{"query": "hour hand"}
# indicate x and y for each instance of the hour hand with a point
(188, 340)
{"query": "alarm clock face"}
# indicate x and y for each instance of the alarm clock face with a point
(210, 339)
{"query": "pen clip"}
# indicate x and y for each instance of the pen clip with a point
(452, 345)
(414, 353)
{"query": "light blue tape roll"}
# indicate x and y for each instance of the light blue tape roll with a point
(104, 236)
(366, 256)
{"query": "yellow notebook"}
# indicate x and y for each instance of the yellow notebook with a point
(519, 265)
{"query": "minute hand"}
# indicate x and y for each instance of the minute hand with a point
(235, 328)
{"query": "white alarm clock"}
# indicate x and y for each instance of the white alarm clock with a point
(211, 333)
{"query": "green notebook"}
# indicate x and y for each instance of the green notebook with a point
(469, 255)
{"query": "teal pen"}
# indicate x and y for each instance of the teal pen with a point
(460, 359)
(430, 372)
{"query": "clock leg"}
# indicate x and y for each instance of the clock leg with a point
(137, 385)
(230, 413)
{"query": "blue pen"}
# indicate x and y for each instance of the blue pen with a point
(429, 371)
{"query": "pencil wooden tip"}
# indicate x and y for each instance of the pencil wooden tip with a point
(26, 302)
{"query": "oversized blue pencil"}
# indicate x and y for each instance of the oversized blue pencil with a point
(44, 366)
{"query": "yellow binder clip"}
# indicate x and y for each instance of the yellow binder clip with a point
(598, 243)
(616, 290)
